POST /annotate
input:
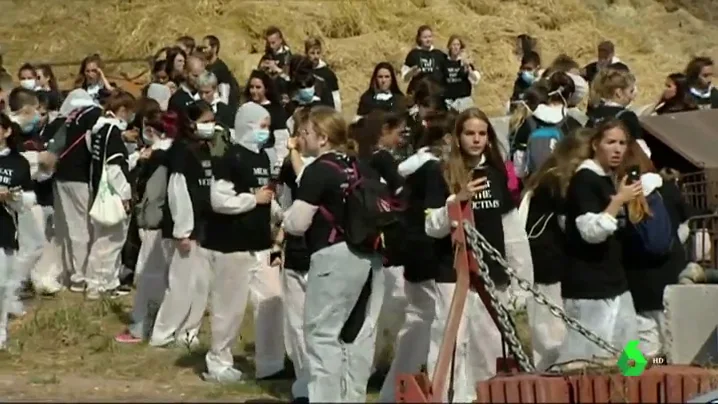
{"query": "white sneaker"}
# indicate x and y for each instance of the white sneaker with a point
(93, 295)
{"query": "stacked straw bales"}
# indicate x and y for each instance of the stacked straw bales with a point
(358, 34)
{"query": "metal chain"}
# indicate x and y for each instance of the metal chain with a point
(479, 245)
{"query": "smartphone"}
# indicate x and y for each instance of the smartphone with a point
(479, 172)
(634, 174)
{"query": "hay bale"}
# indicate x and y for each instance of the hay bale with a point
(359, 34)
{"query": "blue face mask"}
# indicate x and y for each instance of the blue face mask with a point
(305, 95)
(528, 77)
(32, 124)
(261, 136)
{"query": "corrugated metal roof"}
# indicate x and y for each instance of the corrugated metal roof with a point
(693, 135)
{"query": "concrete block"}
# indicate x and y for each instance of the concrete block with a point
(690, 325)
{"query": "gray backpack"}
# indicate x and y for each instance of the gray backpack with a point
(148, 211)
(540, 145)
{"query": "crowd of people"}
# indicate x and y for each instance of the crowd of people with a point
(205, 195)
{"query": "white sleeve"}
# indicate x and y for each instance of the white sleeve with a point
(436, 221)
(298, 218)
(223, 90)
(180, 205)
(226, 201)
(405, 71)
(518, 254)
(132, 160)
(474, 77)
(118, 181)
(337, 100)
(32, 158)
(684, 231)
(23, 201)
(595, 228)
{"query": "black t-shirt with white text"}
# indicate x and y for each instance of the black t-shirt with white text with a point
(249, 231)
(429, 62)
(15, 176)
(194, 161)
(456, 80)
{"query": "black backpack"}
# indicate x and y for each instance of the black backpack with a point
(369, 209)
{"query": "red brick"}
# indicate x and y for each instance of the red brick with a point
(523, 388)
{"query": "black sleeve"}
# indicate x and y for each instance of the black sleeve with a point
(436, 190)
(507, 202)
(675, 202)
(177, 157)
(116, 149)
(314, 182)
(571, 125)
(582, 193)
(224, 76)
(518, 90)
(332, 80)
(286, 173)
(223, 167)
(325, 95)
(412, 58)
(522, 135)
(385, 164)
(365, 104)
(25, 179)
(278, 117)
(630, 119)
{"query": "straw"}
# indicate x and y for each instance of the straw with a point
(359, 34)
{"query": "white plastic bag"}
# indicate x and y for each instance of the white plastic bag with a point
(107, 208)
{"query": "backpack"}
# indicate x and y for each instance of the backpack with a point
(369, 208)
(654, 234)
(149, 209)
(540, 145)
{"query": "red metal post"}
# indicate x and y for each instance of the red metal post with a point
(417, 388)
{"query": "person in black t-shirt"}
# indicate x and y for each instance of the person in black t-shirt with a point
(616, 90)
(207, 89)
(338, 368)
(158, 133)
(109, 155)
(260, 88)
(239, 234)
(184, 228)
(606, 58)
(228, 87)
(525, 78)
(594, 285)
(383, 92)
(47, 84)
(420, 255)
(699, 74)
(475, 174)
(460, 75)
(277, 47)
(186, 94)
(676, 96)
(313, 50)
(423, 61)
(16, 195)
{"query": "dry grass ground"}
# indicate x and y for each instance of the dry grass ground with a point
(655, 38)
(63, 349)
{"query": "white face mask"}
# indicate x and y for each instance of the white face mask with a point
(28, 84)
(205, 130)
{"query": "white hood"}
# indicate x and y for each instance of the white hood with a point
(246, 121)
(160, 93)
(418, 159)
(551, 114)
(76, 99)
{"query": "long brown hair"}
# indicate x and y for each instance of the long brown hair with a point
(457, 169)
(568, 155)
(638, 208)
(81, 80)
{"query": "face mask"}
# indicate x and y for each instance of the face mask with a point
(131, 147)
(27, 84)
(31, 124)
(305, 94)
(261, 136)
(528, 77)
(205, 130)
(122, 125)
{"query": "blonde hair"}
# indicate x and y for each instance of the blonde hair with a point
(457, 169)
(569, 153)
(329, 123)
(609, 80)
(638, 208)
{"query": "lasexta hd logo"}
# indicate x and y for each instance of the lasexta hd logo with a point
(632, 362)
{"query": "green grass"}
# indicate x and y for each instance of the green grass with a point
(65, 345)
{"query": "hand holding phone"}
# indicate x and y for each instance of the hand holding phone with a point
(633, 175)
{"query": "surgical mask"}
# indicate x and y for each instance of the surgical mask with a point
(205, 130)
(528, 77)
(28, 84)
(261, 136)
(121, 125)
(131, 147)
(148, 140)
(31, 124)
(305, 95)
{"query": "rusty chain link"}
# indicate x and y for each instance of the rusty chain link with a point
(478, 244)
